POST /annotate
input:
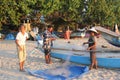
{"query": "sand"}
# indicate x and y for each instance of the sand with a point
(9, 64)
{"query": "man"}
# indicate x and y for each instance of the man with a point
(21, 38)
(47, 38)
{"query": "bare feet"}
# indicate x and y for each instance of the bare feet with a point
(47, 62)
(50, 62)
(22, 70)
(96, 67)
(68, 41)
(90, 68)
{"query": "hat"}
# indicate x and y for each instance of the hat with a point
(93, 30)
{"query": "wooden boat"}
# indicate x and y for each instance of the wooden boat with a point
(82, 57)
(78, 33)
(112, 37)
(106, 62)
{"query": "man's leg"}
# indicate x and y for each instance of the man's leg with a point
(46, 56)
(46, 59)
(21, 60)
(49, 57)
(21, 66)
(24, 56)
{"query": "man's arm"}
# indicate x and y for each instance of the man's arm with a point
(17, 42)
(27, 36)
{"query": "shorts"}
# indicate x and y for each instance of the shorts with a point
(47, 51)
(22, 53)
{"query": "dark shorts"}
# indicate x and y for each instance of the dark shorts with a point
(47, 51)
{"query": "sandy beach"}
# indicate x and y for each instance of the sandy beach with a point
(9, 64)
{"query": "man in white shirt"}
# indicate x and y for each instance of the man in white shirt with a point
(21, 38)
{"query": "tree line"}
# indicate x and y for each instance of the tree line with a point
(101, 12)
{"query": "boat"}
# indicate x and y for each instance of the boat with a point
(105, 59)
(79, 33)
(106, 62)
(110, 36)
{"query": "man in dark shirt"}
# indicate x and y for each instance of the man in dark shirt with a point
(47, 38)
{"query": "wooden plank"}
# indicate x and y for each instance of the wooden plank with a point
(114, 51)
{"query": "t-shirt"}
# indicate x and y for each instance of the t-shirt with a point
(46, 35)
(46, 42)
(21, 38)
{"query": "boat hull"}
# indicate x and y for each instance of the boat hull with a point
(102, 62)
(112, 39)
(110, 36)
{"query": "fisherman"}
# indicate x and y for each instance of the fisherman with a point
(47, 38)
(21, 38)
(92, 47)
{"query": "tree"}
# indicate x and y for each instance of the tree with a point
(13, 10)
(116, 10)
(103, 12)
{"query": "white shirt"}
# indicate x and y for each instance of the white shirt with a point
(21, 38)
(36, 30)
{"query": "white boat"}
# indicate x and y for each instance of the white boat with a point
(112, 37)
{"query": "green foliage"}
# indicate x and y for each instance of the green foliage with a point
(12, 11)
(103, 12)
